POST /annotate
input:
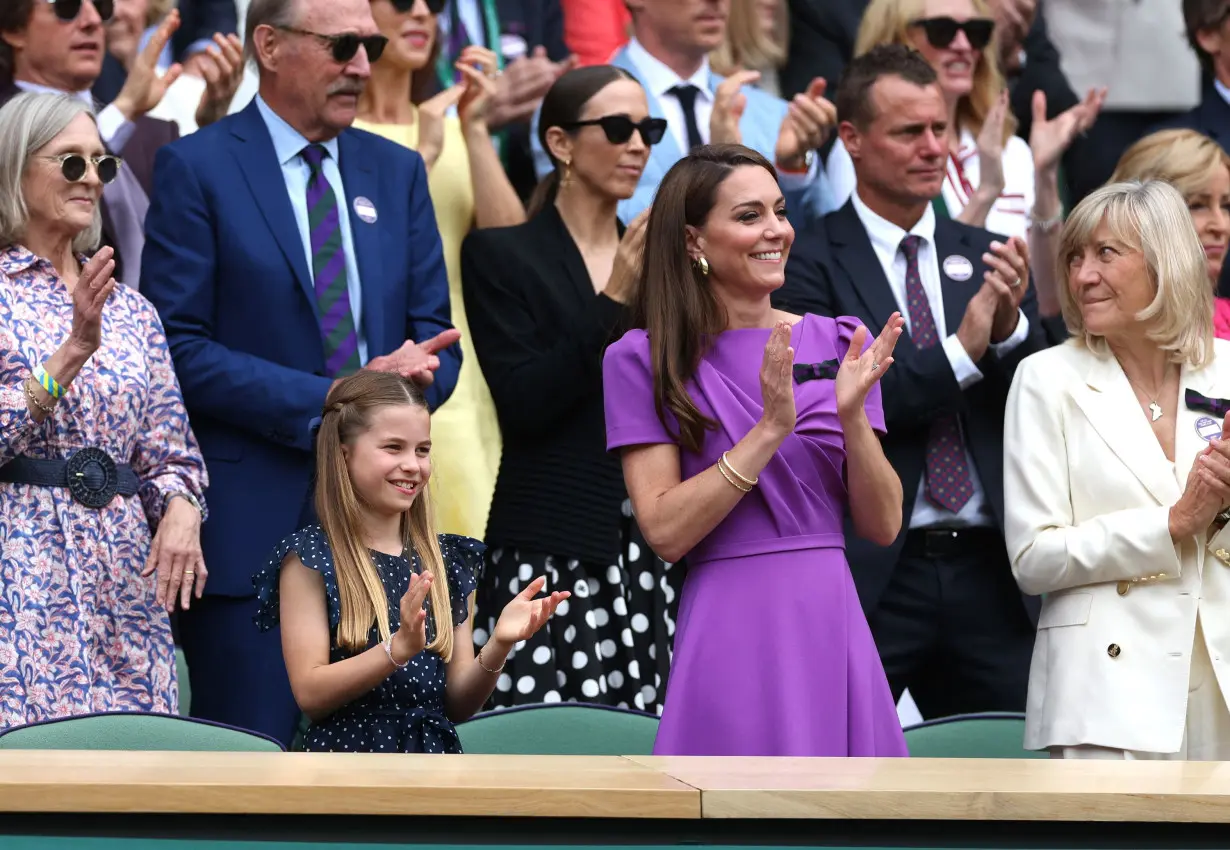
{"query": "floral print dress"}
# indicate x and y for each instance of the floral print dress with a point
(80, 630)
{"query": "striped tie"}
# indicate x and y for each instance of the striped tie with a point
(337, 328)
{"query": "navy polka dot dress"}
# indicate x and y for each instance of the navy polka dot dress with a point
(405, 713)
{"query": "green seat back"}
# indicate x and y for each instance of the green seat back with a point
(571, 729)
(133, 731)
(971, 736)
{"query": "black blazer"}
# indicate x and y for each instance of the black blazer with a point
(822, 34)
(841, 276)
(539, 332)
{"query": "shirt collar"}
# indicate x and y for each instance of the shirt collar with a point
(658, 78)
(38, 88)
(1222, 89)
(884, 235)
(288, 142)
(15, 259)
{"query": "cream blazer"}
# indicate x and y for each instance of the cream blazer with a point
(1087, 493)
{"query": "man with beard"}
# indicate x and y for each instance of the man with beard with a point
(285, 250)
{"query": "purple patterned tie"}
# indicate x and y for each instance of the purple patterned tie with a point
(949, 484)
(337, 328)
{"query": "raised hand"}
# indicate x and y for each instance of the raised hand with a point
(221, 67)
(809, 121)
(777, 381)
(860, 369)
(524, 615)
(143, 88)
(626, 270)
(1049, 139)
(431, 122)
(990, 143)
(729, 101)
(480, 66)
(94, 287)
(1008, 275)
(411, 636)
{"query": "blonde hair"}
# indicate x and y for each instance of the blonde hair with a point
(158, 9)
(888, 22)
(747, 45)
(1151, 217)
(1183, 158)
(361, 597)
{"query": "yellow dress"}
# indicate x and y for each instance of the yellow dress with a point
(465, 433)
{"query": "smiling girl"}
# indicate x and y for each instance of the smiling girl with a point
(375, 608)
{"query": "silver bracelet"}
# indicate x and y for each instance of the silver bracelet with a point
(388, 650)
(1049, 224)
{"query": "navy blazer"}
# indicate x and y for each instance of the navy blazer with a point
(226, 268)
(834, 271)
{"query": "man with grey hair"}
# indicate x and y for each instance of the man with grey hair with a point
(285, 250)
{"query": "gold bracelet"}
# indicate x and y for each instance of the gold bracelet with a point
(47, 411)
(733, 483)
(479, 659)
(750, 482)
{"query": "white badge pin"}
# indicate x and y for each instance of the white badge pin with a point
(958, 268)
(365, 209)
(1208, 428)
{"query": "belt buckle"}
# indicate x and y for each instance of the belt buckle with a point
(93, 479)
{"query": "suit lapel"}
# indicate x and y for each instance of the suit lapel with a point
(853, 252)
(954, 242)
(1108, 402)
(263, 172)
(360, 181)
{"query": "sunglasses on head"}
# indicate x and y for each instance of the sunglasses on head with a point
(940, 32)
(345, 46)
(435, 7)
(74, 166)
(68, 10)
(619, 128)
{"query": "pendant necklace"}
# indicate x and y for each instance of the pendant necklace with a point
(1155, 409)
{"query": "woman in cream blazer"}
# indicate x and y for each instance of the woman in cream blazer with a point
(1116, 478)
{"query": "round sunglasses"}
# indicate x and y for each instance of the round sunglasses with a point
(941, 31)
(68, 10)
(344, 46)
(74, 166)
(435, 7)
(619, 128)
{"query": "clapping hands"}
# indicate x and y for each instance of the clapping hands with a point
(860, 370)
(524, 615)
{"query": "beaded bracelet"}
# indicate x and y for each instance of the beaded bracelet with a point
(388, 650)
(53, 387)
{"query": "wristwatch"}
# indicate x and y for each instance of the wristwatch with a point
(191, 499)
(809, 156)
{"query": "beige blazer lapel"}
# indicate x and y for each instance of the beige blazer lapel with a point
(1109, 403)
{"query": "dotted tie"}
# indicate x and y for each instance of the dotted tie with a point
(949, 483)
(337, 328)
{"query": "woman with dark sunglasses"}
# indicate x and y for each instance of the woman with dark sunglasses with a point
(469, 189)
(544, 300)
(96, 452)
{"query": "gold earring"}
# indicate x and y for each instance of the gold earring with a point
(566, 180)
(701, 265)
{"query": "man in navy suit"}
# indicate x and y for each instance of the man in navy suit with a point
(285, 250)
(947, 617)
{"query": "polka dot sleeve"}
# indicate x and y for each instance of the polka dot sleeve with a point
(312, 547)
(463, 560)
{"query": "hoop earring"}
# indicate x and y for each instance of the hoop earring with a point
(701, 265)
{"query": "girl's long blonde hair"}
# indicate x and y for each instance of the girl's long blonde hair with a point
(888, 22)
(361, 597)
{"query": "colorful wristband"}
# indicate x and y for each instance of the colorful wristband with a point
(50, 384)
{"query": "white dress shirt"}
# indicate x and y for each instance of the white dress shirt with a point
(886, 241)
(660, 79)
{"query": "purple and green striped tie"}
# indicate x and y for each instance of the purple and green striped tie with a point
(341, 341)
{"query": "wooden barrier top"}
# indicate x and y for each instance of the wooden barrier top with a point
(33, 781)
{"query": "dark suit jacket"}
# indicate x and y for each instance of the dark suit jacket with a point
(138, 154)
(841, 276)
(226, 267)
(822, 34)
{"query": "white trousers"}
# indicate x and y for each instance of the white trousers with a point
(1206, 735)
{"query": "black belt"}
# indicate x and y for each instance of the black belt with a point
(948, 542)
(90, 475)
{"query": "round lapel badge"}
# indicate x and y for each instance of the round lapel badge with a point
(1208, 428)
(958, 268)
(365, 209)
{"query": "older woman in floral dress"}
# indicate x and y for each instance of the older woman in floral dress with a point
(95, 447)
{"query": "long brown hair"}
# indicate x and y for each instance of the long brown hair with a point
(674, 302)
(361, 597)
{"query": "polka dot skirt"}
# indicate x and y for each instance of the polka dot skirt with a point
(610, 643)
(405, 713)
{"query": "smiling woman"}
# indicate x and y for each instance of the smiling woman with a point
(97, 449)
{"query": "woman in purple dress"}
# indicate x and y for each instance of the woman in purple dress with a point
(746, 434)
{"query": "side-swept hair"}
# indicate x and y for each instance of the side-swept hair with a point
(361, 597)
(27, 123)
(674, 302)
(853, 99)
(1151, 217)
(1183, 158)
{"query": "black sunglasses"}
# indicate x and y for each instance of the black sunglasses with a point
(618, 128)
(68, 10)
(346, 45)
(74, 166)
(435, 7)
(941, 31)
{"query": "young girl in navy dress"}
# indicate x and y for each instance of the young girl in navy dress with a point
(376, 608)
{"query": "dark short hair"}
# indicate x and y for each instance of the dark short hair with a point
(14, 17)
(853, 100)
(1202, 15)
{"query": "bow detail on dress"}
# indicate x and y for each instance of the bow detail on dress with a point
(825, 371)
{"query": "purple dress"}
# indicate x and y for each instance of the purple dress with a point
(773, 656)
